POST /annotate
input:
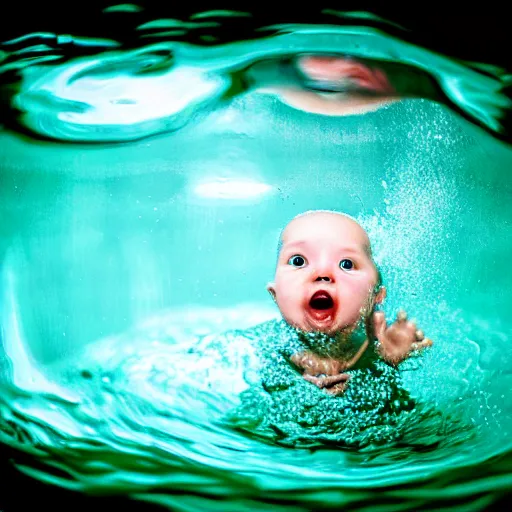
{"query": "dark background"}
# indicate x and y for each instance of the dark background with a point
(468, 33)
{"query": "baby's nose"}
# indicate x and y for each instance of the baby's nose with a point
(323, 270)
(324, 275)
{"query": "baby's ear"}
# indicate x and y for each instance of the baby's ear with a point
(271, 289)
(381, 295)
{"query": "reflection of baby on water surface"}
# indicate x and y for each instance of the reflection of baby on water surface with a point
(337, 85)
(329, 368)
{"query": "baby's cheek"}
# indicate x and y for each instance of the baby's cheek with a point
(352, 313)
(288, 301)
(355, 297)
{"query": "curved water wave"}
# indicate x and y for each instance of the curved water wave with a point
(87, 90)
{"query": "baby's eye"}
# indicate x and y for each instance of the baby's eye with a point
(297, 261)
(346, 264)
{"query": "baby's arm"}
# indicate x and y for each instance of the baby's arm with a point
(396, 342)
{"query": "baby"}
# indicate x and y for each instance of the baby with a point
(327, 287)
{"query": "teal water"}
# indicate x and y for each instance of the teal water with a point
(134, 312)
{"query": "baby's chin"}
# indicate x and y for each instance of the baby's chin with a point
(326, 323)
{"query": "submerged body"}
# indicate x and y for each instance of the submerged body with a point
(283, 406)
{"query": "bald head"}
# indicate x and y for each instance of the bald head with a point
(325, 252)
(334, 223)
(327, 223)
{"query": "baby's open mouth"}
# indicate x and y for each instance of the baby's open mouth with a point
(321, 301)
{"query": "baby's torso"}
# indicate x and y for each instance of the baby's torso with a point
(280, 400)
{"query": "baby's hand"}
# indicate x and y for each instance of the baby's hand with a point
(323, 372)
(333, 384)
(396, 342)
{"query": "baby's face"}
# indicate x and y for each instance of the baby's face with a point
(325, 277)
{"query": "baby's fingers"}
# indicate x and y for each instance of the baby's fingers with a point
(411, 328)
(326, 381)
(420, 345)
(337, 389)
(379, 324)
